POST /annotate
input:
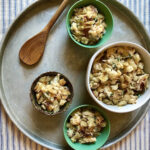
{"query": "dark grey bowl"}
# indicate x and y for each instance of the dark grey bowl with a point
(33, 94)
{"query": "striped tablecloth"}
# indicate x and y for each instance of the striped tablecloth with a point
(12, 139)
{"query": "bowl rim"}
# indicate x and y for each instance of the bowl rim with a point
(91, 106)
(100, 103)
(70, 34)
(32, 92)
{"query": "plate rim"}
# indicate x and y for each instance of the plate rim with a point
(2, 94)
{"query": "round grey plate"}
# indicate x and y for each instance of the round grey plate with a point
(61, 55)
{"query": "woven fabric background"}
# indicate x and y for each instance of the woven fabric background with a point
(12, 139)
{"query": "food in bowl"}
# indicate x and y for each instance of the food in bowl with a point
(52, 93)
(84, 125)
(87, 25)
(117, 76)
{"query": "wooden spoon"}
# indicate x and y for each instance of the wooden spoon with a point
(33, 49)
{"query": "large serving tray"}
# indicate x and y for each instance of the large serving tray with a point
(64, 56)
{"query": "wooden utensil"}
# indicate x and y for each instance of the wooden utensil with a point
(33, 49)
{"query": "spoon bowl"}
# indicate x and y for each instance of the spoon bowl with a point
(33, 49)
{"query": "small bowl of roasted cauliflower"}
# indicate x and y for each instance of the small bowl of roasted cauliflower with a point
(118, 77)
(51, 93)
(89, 23)
(86, 127)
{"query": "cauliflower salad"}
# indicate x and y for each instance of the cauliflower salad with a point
(52, 93)
(87, 25)
(117, 76)
(84, 125)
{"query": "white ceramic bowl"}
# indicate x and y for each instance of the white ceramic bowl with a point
(142, 99)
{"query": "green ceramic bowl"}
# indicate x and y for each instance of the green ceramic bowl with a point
(100, 140)
(103, 9)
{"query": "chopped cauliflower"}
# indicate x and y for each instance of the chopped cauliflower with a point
(117, 76)
(87, 25)
(52, 93)
(85, 125)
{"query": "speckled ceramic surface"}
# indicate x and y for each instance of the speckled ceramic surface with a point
(62, 55)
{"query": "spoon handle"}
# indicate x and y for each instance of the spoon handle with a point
(56, 15)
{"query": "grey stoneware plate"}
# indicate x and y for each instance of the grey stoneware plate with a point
(64, 56)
